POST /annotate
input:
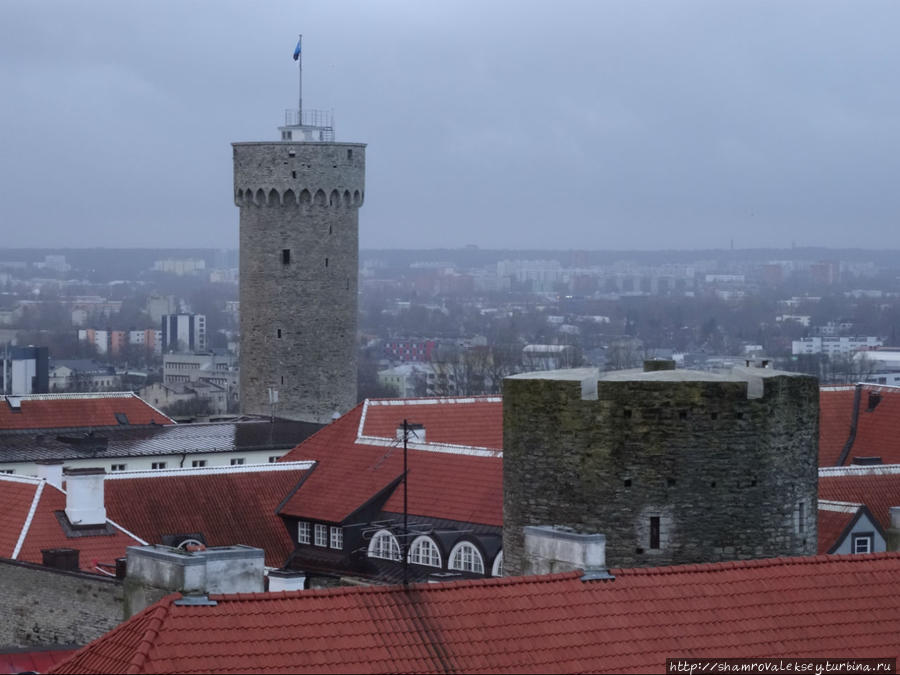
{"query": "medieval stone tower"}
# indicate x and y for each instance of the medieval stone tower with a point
(299, 200)
(673, 466)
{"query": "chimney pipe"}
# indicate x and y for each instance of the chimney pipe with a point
(84, 497)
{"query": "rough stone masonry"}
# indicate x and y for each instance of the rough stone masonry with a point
(299, 252)
(673, 466)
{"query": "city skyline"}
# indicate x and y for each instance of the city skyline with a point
(586, 125)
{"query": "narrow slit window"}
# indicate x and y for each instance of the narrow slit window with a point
(285, 256)
(654, 532)
(349, 154)
(326, 262)
(279, 333)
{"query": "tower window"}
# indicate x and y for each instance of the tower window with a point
(293, 174)
(326, 262)
(279, 333)
(654, 532)
(285, 256)
(349, 154)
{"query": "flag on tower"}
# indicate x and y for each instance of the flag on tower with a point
(297, 50)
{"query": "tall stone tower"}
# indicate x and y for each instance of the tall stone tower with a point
(299, 248)
(673, 466)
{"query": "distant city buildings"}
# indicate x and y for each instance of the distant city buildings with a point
(833, 346)
(24, 370)
(184, 333)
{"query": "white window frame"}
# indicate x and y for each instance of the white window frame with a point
(868, 538)
(497, 567)
(425, 551)
(384, 545)
(198, 463)
(337, 537)
(321, 535)
(237, 461)
(460, 561)
(303, 532)
(117, 467)
(157, 466)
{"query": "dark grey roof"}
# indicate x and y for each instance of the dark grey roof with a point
(113, 442)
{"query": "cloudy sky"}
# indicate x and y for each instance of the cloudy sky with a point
(515, 124)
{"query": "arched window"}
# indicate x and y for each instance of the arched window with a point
(384, 545)
(424, 552)
(466, 558)
(497, 570)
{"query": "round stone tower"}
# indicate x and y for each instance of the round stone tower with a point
(299, 236)
(673, 466)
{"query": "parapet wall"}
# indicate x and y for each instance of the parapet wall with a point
(672, 466)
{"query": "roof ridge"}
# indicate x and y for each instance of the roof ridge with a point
(436, 400)
(859, 470)
(75, 396)
(839, 506)
(744, 564)
(298, 465)
(26, 526)
(394, 588)
(142, 651)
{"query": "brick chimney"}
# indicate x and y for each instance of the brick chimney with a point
(84, 497)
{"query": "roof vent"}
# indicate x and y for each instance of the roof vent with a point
(121, 418)
(15, 403)
(195, 601)
(874, 400)
(866, 461)
(65, 559)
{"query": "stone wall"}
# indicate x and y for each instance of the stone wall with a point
(726, 468)
(298, 317)
(42, 607)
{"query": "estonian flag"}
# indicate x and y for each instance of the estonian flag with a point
(297, 51)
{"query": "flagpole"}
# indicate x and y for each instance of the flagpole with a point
(300, 70)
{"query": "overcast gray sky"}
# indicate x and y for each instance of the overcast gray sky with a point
(502, 124)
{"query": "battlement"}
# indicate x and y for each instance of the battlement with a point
(292, 174)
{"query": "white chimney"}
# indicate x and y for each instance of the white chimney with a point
(551, 549)
(286, 580)
(52, 472)
(84, 497)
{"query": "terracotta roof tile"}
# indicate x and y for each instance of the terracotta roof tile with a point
(44, 531)
(62, 411)
(878, 487)
(228, 505)
(831, 525)
(35, 662)
(835, 416)
(350, 470)
(824, 606)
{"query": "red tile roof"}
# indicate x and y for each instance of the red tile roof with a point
(228, 505)
(835, 416)
(60, 411)
(476, 421)
(32, 505)
(878, 429)
(33, 662)
(353, 469)
(824, 606)
(878, 487)
(834, 518)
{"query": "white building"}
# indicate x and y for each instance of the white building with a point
(833, 346)
(184, 333)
